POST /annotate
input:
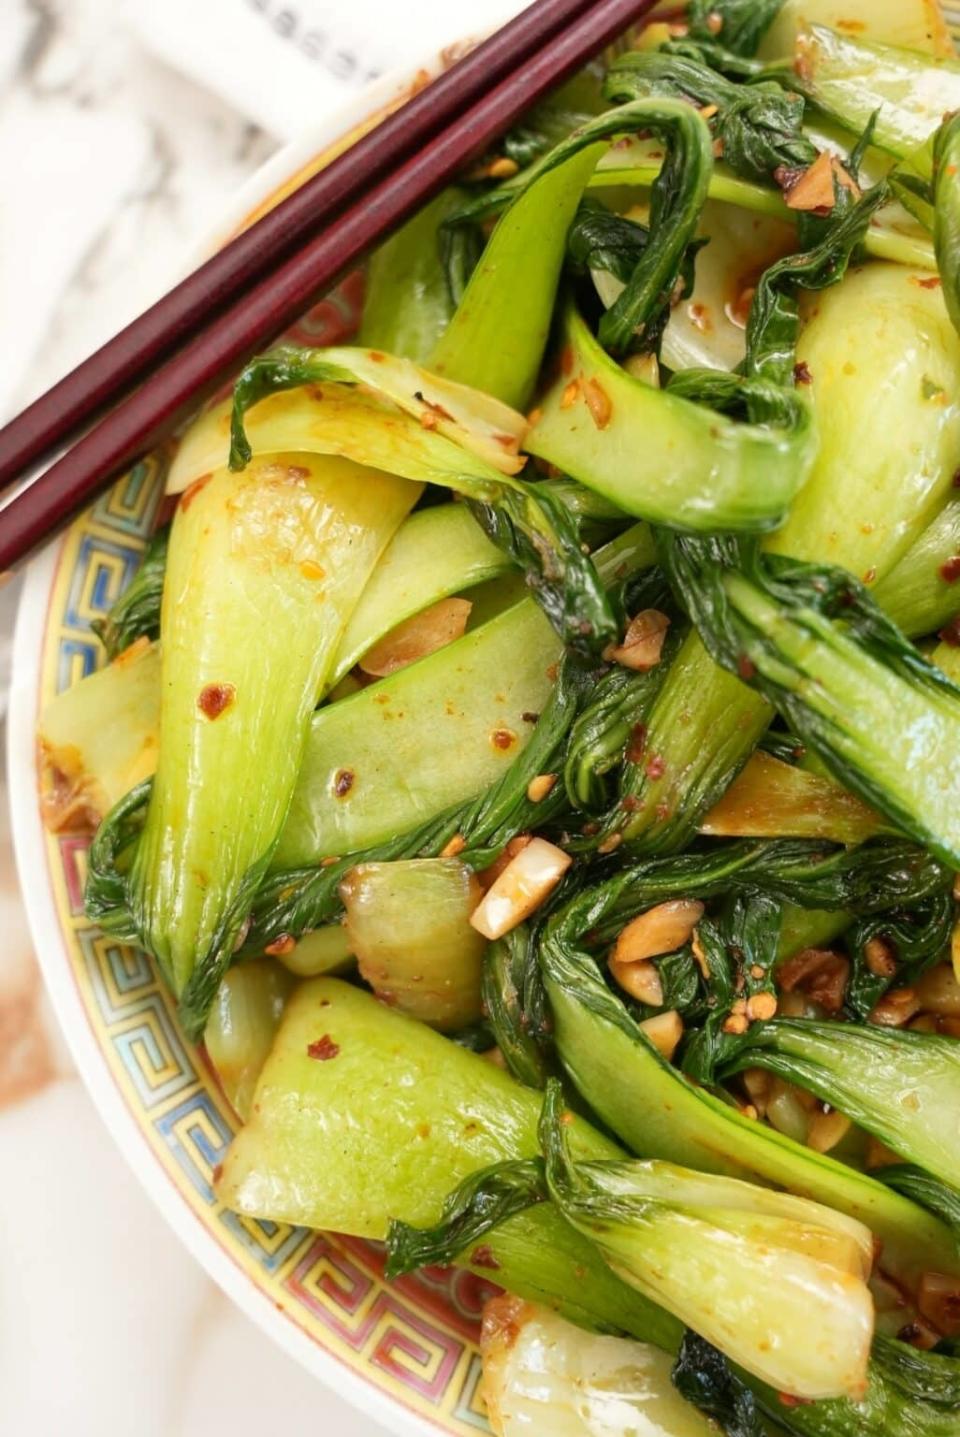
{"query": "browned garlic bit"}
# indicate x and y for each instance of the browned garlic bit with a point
(523, 885)
(660, 930)
(418, 636)
(896, 1008)
(640, 980)
(664, 1031)
(817, 974)
(643, 642)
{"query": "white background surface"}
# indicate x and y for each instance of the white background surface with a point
(113, 163)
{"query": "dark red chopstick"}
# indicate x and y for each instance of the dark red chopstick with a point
(113, 370)
(174, 389)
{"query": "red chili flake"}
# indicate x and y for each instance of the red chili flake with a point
(637, 744)
(218, 1172)
(932, 283)
(950, 571)
(192, 490)
(951, 634)
(801, 373)
(343, 782)
(629, 804)
(787, 1400)
(214, 699)
(870, 575)
(281, 946)
(376, 355)
(746, 668)
(482, 1256)
(323, 1049)
(502, 738)
(656, 767)
(566, 359)
(662, 812)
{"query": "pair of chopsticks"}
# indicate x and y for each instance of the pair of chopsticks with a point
(156, 371)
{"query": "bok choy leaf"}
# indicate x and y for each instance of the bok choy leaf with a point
(659, 456)
(542, 1374)
(758, 126)
(776, 1282)
(903, 1087)
(921, 593)
(713, 1250)
(295, 899)
(738, 25)
(852, 79)
(388, 1117)
(406, 303)
(814, 644)
(497, 337)
(453, 436)
(658, 1113)
(946, 224)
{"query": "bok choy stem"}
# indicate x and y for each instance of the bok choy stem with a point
(295, 537)
(497, 337)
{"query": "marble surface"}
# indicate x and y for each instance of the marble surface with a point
(112, 164)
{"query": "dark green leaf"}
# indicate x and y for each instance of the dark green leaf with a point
(509, 967)
(541, 535)
(738, 25)
(759, 125)
(136, 614)
(481, 1203)
(704, 1377)
(601, 239)
(741, 950)
(946, 225)
(613, 718)
(106, 896)
(813, 642)
(774, 324)
(925, 1189)
(919, 936)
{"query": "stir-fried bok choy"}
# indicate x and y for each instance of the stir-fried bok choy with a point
(529, 750)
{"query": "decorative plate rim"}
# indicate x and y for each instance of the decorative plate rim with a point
(33, 868)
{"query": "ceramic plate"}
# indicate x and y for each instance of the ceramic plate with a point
(406, 1353)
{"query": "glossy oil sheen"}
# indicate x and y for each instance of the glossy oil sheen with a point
(265, 568)
(428, 737)
(385, 1126)
(850, 78)
(660, 457)
(884, 363)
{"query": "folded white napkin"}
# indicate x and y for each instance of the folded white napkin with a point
(285, 62)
